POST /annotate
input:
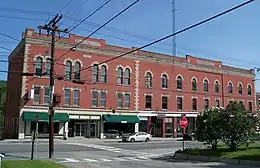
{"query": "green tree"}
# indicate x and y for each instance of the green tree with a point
(240, 126)
(209, 126)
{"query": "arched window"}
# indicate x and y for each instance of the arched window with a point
(38, 66)
(127, 76)
(164, 81)
(148, 80)
(68, 70)
(48, 67)
(230, 88)
(77, 71)
(249, 90)
(194, 84)
(217, 87)
(206, 85)
(95, 73)
(120, 75)
(240, 88)
(103, 75)
(179, 82)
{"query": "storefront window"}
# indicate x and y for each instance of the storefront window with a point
(168, 127)
(43, 127)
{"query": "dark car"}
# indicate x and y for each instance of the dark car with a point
(111, 134)
(190, 136)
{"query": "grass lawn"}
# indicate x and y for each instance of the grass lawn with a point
(251, 153)
(30, 164)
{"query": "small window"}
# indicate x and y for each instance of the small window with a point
(179, 82)
(194, 84)
(103, 96)
(103, 75)
(194, 104)
(66, 96)
(77, 71)
(148, 80)
(206, 104)
(48, 67)
(120, 100)
(127, 100)
(46, 98)
(148, 101)
(68, 69)
(179, 103)
(230, 88)
(249, 90)
(164, 81)
(94, 98)
(95, 73)
(76, 96)
(38, 66)
(36, 97)
(120, 75)
(127, 76)
(250, 107)
(164, 102)
(206, 85)
(240, 89)
(217, 103)
(216, 87)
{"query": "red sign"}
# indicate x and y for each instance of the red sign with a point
(183, 122)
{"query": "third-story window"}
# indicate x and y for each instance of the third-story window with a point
(240, 88)
(148, 80)
(179, 103)
(127, 76)
(127, 100)
(103, 96)
(76, 97)
(103, 75)
(120, 100)
(77, 71)
(216, 87)
(164, 81)
(36, 96)
(68, 69)
(206, 85)
(148, 101)
(194, 104)
(164, 102)
(230, 88)
(94, 98)
(48, 67)
(38, 66)
(217, 103)
(206, 104)
(66, 96)
(194, 84)
(46, 98)
(250, 107)
(95, 73)
(179, 82)
(120, 75)
(249, 90)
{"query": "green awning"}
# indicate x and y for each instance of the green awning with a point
(44, 117)
(121, 119)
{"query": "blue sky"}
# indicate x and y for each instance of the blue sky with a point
(233, 38)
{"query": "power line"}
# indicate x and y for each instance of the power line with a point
(176, 33)
(3, 34)
(65, 6)
(114, 17)
(5, 48)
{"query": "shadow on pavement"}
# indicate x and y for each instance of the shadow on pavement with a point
(16, 157)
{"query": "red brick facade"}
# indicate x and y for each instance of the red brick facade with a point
(139, 63)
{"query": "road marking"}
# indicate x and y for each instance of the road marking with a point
(90, 160)
(105, 160)
(70, 160)
(120, 159)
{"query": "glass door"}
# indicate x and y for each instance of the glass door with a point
(80, 130)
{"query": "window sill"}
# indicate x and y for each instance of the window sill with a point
(164, 88)
(180, 110)
(194, 110)
(179, 89)
(75, 106)
(36, 104)
(94, 107)
(148, 109)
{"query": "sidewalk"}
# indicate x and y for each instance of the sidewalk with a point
(83, 140)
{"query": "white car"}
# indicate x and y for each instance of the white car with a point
(137, 137)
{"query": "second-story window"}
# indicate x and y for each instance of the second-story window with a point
(120, 75)
(164, 102)
(164, 81)
(77, 71)
(148, 80)
(216, 87)
(66, 96)
(103, 96)
(206, 103)
(46, 98)
(38, 66)
(206, 85)
(127, 76)
(68, 70)
(179, 82)
(76, 97)
(48, 67)
(240, 88)
(94, 98)
(127, 100)
(249, 90)
(230, 88)
(103, 75)
(95, 73)
(148, 101)
(194, 104)
(120, 100)
(36, 96)
(179, 103)
(194, 84)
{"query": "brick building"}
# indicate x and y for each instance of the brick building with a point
(149, 91)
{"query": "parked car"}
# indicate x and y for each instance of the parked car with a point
(111, 134)
(190, 136)
(137, 137)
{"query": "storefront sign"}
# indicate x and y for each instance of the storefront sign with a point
(123, 121)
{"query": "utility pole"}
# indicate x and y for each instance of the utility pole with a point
(52, 29)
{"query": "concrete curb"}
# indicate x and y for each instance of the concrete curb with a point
(181, 156)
